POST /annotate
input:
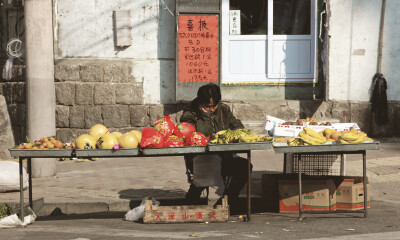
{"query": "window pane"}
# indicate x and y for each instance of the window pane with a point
(292, 17)
(253, 16)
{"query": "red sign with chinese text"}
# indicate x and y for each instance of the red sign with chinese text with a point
(198, 49)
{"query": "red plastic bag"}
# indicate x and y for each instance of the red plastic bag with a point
(183, 130)
(151, 138)
(165, 125)
(196, 139)
(173, 141)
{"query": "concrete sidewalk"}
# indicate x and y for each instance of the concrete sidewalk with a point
(111, 184)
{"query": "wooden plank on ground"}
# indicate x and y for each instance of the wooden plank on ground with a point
(186, 214)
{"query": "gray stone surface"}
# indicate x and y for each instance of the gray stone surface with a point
(155, 112)
(115, 73)
(6, 135)
(159, 111)
(66, 72)
(129, 93)
(14, 92)
(139, 115)
(17, 113)
(91, 73)
(77, 117)
(104, 94)
(18, 73)
(65, 93)
(84, 94)
(115, 115)
(62, 116)
(361, 114)
(92, 116)
(247, 112)
(68, 135)
(340, 110)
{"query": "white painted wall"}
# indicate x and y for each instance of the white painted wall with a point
(85, 29)
(354, 30)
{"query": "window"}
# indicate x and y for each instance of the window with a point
(268, 40)
(253, 16)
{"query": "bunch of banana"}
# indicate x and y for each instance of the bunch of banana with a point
(295, 141)
(353, 136)
(238, 135)
(311, 137)
(280, 139)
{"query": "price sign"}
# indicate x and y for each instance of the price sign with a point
(198, 48)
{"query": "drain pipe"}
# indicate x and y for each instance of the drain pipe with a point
(40, 89)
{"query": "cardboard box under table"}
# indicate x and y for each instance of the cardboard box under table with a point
(350, 194)
(318, 195)
(281, 193)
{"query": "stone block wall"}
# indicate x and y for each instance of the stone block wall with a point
(91, 92)
(104, 92)
(14, 92)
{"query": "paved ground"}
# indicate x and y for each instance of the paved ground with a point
(106, 187)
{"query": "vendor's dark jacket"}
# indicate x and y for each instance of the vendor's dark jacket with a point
(207, 123)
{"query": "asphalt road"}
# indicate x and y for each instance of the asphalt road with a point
(383, 222)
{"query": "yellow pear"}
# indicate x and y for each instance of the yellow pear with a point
(128, 140)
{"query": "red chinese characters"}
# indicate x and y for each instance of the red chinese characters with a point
(198, 49)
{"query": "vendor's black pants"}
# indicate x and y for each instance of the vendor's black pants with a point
(233, 168)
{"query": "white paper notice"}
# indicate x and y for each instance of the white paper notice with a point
(234, 22)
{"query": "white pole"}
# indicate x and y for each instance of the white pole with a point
(40, 78)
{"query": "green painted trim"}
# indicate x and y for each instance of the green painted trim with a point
(346, 203)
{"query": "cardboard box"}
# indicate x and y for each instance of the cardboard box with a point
(318, 195)
(350, 194)
(344, 127)
(270, 122)
(287, 130)
(186, 213)
(319, 128)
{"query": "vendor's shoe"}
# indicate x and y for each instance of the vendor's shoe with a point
(193, 196)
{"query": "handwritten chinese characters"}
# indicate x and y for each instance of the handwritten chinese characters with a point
(198, 49)
(234, 22)
(185, 216)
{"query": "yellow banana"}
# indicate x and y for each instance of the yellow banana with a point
(359, 140)
(342, 141)
(311, 140)
(350, 137)
(313, 133)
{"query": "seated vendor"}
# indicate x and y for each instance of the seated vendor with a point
(209, 115)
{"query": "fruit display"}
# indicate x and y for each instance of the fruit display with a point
(238, 136)
(310, 121)
(310, 137)
(196, 139)
(44, 143)
(98, 130)
(280, 139)
(128, 140)
(353, 136)
(99, 137)
(107, 141)
(138, 134)
(85, 141)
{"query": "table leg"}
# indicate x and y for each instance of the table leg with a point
(365, 184)
(300, 187)
(21, 189)
(30, 182)
(342, 164)
(248, 186)
(284, 162)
